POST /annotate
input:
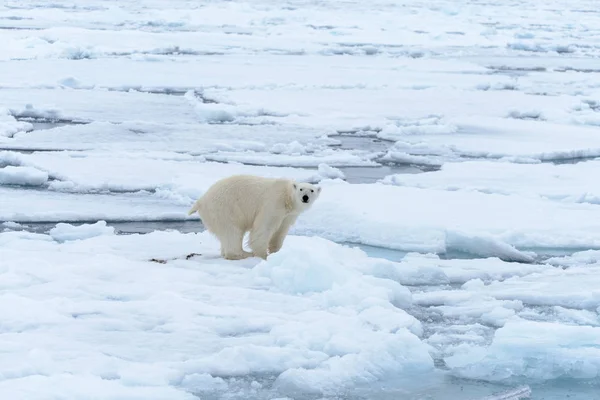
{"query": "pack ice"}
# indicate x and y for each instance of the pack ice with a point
(454, 252)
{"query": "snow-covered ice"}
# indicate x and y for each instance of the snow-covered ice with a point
(534, 350)
(23, 176)
(572, 183)
(437, 220)
(9, 126)
(519, 140)
(477, 279)
(181, 174)
(89, 305)
(63, 232)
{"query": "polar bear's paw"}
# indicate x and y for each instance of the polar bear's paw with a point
(261, 255)
(237, 256)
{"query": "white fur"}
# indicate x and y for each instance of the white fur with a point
(266, 207)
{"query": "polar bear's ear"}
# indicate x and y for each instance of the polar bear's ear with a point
(295, 187)
(319, 189)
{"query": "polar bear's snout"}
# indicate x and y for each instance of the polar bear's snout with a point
(305, 199)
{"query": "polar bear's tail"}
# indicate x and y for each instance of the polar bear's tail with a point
(194, 208)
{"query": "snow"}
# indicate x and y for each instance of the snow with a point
(479, 224)
(183, 175)
(10, 224)
(572, 183)
(576, 287)
(329, 156)
(578, 258)
(494, 137)
(535, 350)
(40, 103)
(456, 236)
(63, 232)
(129, 324)
(25, 176)
(9, 126)
(330, 172)
(422, 269)
(486, 245)
(49, 206)
(438, 220)
(152, 136)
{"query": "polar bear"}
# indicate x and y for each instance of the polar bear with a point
(267, 207)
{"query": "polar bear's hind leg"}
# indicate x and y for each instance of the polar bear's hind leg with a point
(230, 236)
(231, 244)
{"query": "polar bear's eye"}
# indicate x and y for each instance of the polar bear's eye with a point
(301, 189)
(312, 191)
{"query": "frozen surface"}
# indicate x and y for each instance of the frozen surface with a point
(63, 232)
(328, 321)
(572, 183)
(142, 135)
(494, 137)
(22, 176)
(481, 279)
(576, 287)
(317, 322)
(172, 173)
(9, 126)
(535, 350)
(479, 224)
(36, 206)
(408, 218)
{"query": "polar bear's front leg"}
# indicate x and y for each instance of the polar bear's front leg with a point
(280, 234)
(261, 233)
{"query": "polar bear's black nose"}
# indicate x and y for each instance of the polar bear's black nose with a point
(305, 199)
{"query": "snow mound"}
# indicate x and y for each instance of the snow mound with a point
(486, 246)
(327, 171)
(538, 351)
(335, 277)
(292, 148)
(32, 112)
(12, 225)
(577, 259)
(78, 53)
(10, 158)
(70, 82)
(9, 126)
(215, 113)
(219, 113)
(425, 126)
(23, 176)
(314, 271)
(400, 157)
(329, 267)
(64, 232)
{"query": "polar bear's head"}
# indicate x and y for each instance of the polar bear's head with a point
(305, 194)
